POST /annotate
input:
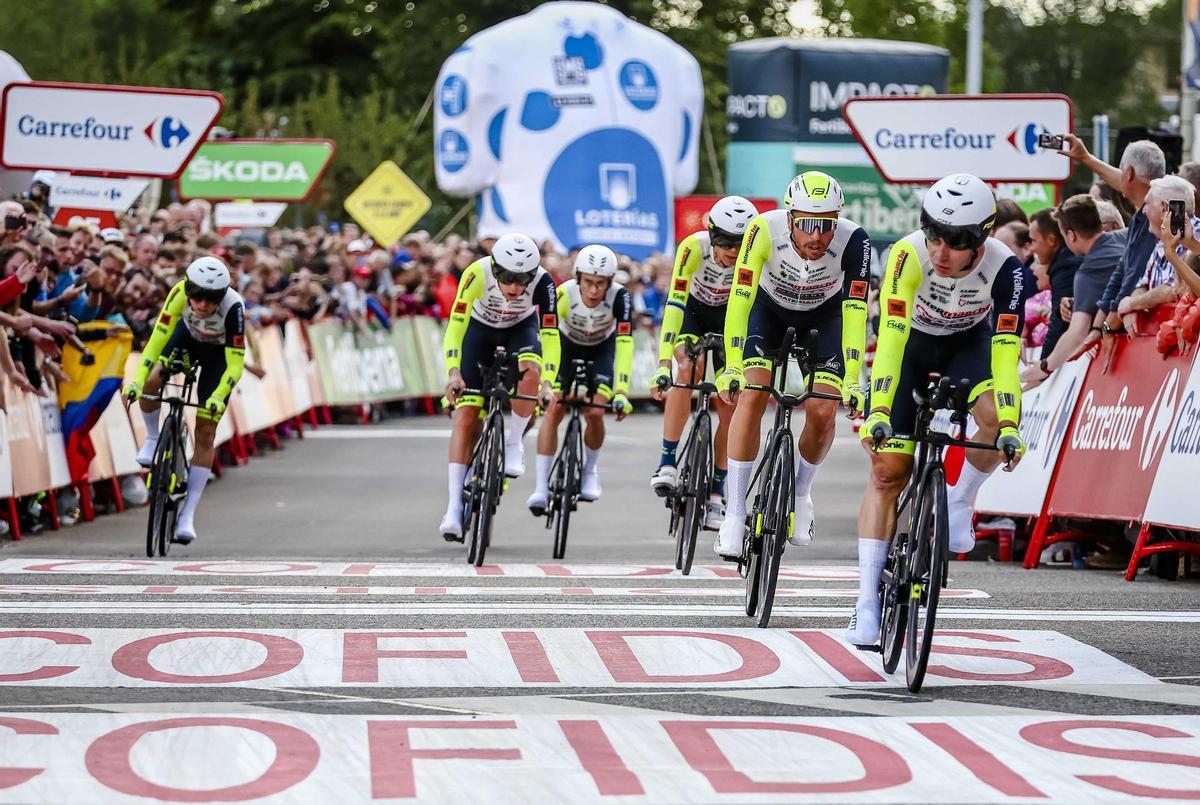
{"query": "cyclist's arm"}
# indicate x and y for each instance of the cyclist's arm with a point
(168, 319)
(901, 279)
(544, 296)
(1008, 321)
(235, 352)
(756, 250)
(470, 286)
(687, 260)
(623, 312)
(856, 279)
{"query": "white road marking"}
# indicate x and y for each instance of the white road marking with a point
(358, 432)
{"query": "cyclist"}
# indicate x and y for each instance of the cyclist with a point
(813, 268)
(700, 285)
(213, 336)
(501, 301)
(595, 323)
(952, 302)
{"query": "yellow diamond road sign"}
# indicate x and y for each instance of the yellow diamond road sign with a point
(387, 203)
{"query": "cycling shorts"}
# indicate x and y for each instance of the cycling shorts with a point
(700, 319)
(479, 347)
(958, 356)
(769, 321)
(603, 357)
(208, 356)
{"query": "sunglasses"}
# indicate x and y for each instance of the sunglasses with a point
(958, 238)
(12, 222)
(819, 226)
(205, 295)
(506, 277)
(724, 240)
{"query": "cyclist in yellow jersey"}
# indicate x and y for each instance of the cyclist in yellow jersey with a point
(952, 302)
(501, 301)
(804, 267)
(700, 286)
(213, 336)
(595, 323)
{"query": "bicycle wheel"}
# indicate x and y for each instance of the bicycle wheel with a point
(161, 470)
(752, 549)
(699, 471)
(476, 496)
(779, 517)
(568, 490)
(893, 593)
(493, 487)
(927, 565)
(677, 499)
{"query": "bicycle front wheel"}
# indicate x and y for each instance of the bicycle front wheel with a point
(893, 593)
(488, 476)
(779, 517)
(927, 565)
(161, 481)
(568, 489)
(699, 469)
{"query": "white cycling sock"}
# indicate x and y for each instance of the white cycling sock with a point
(805, 475)
(516, 432)
(151, 420)
(542, 467)
(872, 556)
(590, 457)
(456, 474)
(969, 481)
(736, 483)
(197, 480)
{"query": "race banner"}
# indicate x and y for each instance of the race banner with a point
(261, 170)
(355, 367)
(1171, 502)
(1045, 416)
(1122, 425)
(86, 192)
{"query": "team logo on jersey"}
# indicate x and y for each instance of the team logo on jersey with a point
(460, 307)
(680, 284)
(549, 320)
(897, 308)
(687, 252)
(858, 289)
(1007, 323)
(745, 276)
(239, 342)
(165, 318)
(467, 282)
(624, 328)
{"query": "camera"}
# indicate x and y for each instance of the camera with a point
(1050, 141)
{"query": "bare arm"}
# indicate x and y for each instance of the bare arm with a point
(1076, 150)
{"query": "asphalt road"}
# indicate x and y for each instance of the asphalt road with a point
(320, 642)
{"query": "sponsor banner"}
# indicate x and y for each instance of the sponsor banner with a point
(115, 195)
(702, 658)
(646, 756)
(262, 170)
(101, 219)
(992, 136)
(92, 128)
(1045, 417)
(793, 91)
(1030, 196)
(247, 215)
(27, 443)
(387, 204)
(1170, 501)
(429, 334)
(1121, 427)
(356, 367)
(887, 211)
(691, 212)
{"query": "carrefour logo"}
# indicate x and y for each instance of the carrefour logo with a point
(1024, 138)
(1160, 415)
(167, 132)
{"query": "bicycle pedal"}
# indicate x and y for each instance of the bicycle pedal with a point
(452, 538)
(873, 649)
(538, 511)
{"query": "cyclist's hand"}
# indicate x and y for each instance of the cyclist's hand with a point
(215, 406)
(853, 397)
(132, 393)
(660, 382)
(621, 405)
(877, 429)
(729, 382)
(454, 387)
(546, 395)
(1010, 443)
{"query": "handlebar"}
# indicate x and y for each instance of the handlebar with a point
(791, 400)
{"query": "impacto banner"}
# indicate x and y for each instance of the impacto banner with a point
(572, 123)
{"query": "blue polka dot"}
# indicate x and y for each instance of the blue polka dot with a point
(454, 95)
(453, 151)
(539, 112)
(586, 47)
(639, 84)
(687, 135)
(496, 131)
(498, 205)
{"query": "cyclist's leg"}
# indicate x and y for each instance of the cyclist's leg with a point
(212, 366)
(972, 362)
(150, 415)
(678, 403)
(523, 341)
(820, 416)
(479, 343)
(547, 444)
(603, 357)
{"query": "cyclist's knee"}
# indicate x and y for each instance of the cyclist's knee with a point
(889, 474)
(820, 414)
(593, 416)
(205, 432)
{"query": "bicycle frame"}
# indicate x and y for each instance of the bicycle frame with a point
(705, 347)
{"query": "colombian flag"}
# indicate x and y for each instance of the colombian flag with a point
(89, 390)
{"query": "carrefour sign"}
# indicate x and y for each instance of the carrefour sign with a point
(994, 137)
(88, 128)
(263, 170)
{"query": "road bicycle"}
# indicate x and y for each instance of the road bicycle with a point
(567, 471)
(773, 515)
(168, 478)
(687, 500)
(917, 560)
(485, 472)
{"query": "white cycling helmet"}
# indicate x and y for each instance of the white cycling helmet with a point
(207, 275)
(959, 209)
(814, 191)
(730, 216)
(516, 253)
(596, 259)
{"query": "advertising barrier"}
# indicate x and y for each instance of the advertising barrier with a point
(1171, 502)
(262, 170)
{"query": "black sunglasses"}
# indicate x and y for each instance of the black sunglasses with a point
(959, 238)
(503, 275)
(724, 240)
(205, 295)
(819, 226)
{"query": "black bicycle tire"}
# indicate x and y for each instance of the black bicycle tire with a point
(891, 638)
(180, 460)
(678, 497)
(699, 469)
(160, 471)
(781, 504)
(478, 470)
(567, 490)
(495, 489)
(752, 543)
(934, 551)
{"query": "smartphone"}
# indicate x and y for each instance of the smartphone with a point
(1177, 209)
(1050, 141)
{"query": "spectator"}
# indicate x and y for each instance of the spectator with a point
(1158, 281)
(1061, 265)
(15, 222)
(1008, 211)
(1038, 306)
(145, 253)
(1191, 172)
(1111, 219)
(1015, 235)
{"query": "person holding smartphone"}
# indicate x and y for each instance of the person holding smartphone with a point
(1171, 209)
